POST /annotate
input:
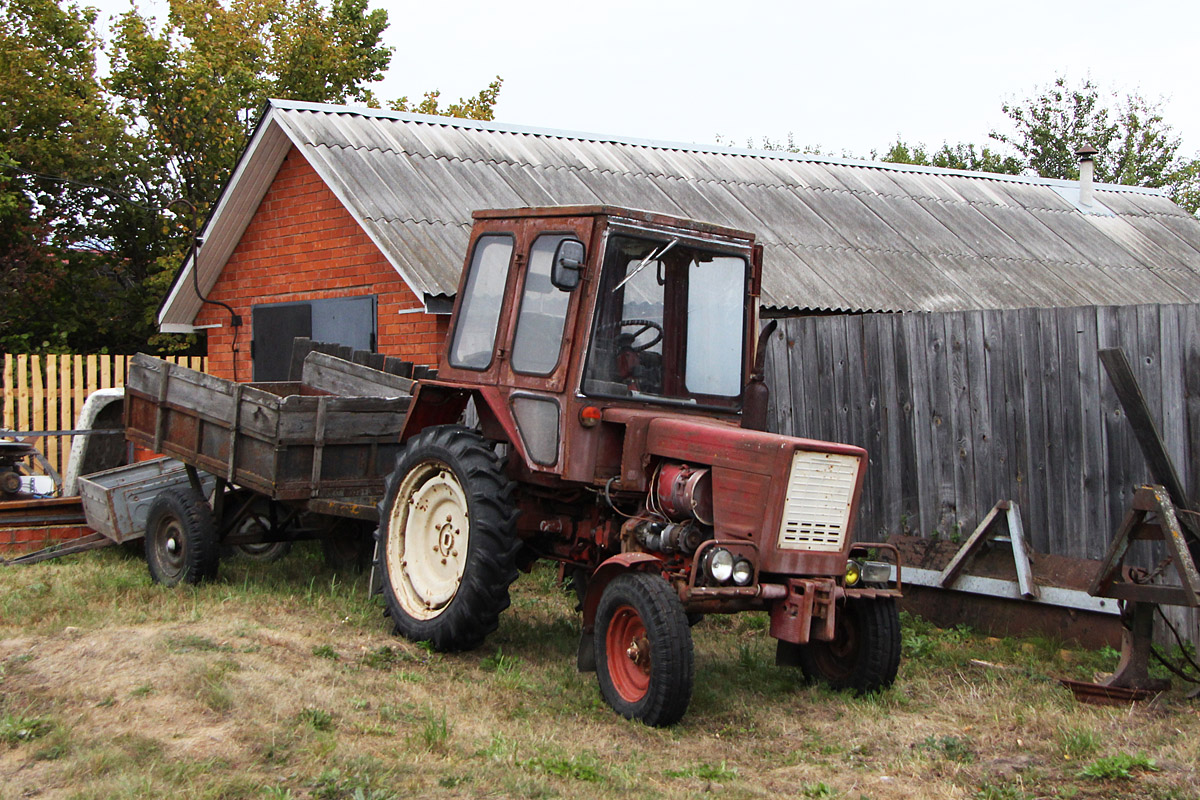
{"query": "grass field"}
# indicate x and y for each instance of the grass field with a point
(282, 681)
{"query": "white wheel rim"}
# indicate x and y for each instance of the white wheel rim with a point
(428, 531)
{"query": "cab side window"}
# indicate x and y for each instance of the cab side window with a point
(474, 340)
(538, 340)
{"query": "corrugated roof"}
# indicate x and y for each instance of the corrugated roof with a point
(840, 234)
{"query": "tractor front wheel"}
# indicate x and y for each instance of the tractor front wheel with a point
(864, 655)
(643, 645)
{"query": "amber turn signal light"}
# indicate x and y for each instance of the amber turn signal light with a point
(589, 416)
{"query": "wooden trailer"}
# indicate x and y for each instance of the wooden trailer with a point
(291, 460)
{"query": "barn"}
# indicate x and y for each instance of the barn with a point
(948, 321)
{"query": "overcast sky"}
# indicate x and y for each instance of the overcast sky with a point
(845, 76)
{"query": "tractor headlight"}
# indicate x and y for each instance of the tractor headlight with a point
(853, 573)
(876, 571)
(743, 572)
(719, 564)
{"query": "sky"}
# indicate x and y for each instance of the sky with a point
(848, 77)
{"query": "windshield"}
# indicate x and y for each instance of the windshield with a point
(669, 323)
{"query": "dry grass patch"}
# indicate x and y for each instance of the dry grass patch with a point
(282, 681)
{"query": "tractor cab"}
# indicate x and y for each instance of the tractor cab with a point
(566, 314)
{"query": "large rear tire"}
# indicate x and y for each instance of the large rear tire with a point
(644, 658)
(447, 539)
(865, 654)
(181, 538)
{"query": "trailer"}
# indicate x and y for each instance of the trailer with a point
(253, 466)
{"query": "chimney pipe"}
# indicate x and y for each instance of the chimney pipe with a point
(1087, 171)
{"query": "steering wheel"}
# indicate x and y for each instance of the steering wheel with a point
(643, 326)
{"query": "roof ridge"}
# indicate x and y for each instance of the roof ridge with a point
(701, 180)
(715, 149)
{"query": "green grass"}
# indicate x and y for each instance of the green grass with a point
(705, 772)
(325, 651)
(318, 719)
(1118, 766)
(17, 729)
(283, 681)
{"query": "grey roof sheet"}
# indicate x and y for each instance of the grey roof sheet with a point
(839, 234)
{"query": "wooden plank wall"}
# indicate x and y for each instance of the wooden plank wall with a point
(960, 410)
(46, 393)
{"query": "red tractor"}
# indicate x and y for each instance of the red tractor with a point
(614, 362)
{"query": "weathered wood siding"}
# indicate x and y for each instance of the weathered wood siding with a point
(960, 410)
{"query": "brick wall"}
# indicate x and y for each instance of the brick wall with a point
(302, 244)
(18, 541)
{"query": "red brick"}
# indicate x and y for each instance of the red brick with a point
(300, 245)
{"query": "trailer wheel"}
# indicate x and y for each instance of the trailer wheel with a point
(865, 653)
(181, 538)
(348, 546)
(265, 552)
(644, 659)
(449, 546)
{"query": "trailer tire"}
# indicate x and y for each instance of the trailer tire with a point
(181, 538)
(266, 552)
(348, 546)
(644, 658)
(865, 654)
(447, 536)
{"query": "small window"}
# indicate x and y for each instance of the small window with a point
(475, 335)
(538, 341)
(537, 420)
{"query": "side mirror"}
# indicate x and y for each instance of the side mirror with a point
(568, 264)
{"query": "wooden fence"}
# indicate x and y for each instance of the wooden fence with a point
(960, 410)
(46, 393)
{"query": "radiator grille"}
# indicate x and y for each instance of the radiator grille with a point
(816, 513)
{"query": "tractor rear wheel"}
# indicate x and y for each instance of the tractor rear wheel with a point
(181, 538)
(447, 538)
(643, 644)
(864, 655)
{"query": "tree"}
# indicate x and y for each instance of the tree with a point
(91, 174)
(54, 120)
(960, 156)
(195, 88)
(478, 107)
(57, 138)
(1136, 146)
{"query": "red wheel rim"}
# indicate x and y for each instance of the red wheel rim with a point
(628, 651)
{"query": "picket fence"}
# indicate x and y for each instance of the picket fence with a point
(45, 393)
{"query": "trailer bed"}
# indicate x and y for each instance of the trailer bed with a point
(116, 501)
(293, 441)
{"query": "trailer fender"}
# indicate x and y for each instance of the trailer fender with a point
(604, 574)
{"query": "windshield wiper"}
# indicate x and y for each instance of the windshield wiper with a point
(654, 255)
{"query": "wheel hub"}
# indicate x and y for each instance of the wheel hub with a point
(427, 540)
(447, 535)
(639, 652)
(628, 648)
